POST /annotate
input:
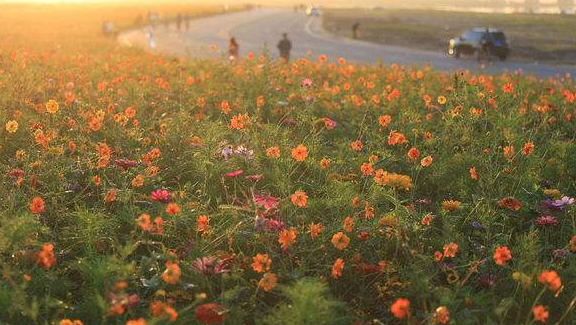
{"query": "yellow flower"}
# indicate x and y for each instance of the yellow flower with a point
(451, 205)
(402, 182)
(52, 106)
(553, 193)
(12, 126)
(441, 100)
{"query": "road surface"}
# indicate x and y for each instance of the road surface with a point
(260, 30)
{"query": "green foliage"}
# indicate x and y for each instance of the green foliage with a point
(309, 302)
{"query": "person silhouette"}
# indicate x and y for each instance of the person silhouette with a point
(285, 46)
(233, 49)
(355, 30)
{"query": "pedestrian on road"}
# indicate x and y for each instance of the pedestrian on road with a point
(151, 38)
(285, 46)
(355, 30)
(233, 49)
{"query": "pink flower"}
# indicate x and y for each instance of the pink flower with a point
(330, 123)
(254, 177)
(266, 201)
(307, 82)
(546, 221)
(161, 195)
(235, 173)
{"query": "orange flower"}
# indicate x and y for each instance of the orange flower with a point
(273, 152)
(261, 263)
(139, 321)
(502, 255)
(540, 313)
(239, 122)
(138, 181)
(144, 221)
(573, 243)
(384, 120)
(400, 308)
(160, 309)
(528, 148)
(367, 169)
(37, 205)
(441, 315)
(52, 106)
(70, 322)
(225, 107)
(287, 237)
(172, 209)
(395, 138)
(426, 161)
(300, 153)
(110, 196)
(450, 250)
(202, 223)
(508, 88)
(340, 240)
(45, 258)
(337, 268)
(355, 202)
(316, 229)
(348, 224)
(299, 199)
(324, 163)
(268, 281)
(130, 112)
(509, 152)
(356, 145)
(11, 126)
(473, 173)
(260, 101)
(438, 256)
(381, 177)
(551, 280)
(413, 154)
(172, 273)
(510, 203)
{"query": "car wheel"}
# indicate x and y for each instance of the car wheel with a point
(456, 53)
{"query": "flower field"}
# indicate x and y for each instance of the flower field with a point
(141, 189)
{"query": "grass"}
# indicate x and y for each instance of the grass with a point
(142, 189)
(533, 37)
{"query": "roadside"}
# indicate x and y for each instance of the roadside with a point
(533, 37)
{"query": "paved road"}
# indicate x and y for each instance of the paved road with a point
(260, 30)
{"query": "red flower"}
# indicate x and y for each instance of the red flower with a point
(211, 313)
(37, 205)
(502, 255)
(235, 173)
(400, 308)
(510, 203)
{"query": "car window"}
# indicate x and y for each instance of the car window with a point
(498, 36)
(472, 36)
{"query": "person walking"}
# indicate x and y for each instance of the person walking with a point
(285, 46)
(356, 30)
(233, 49)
